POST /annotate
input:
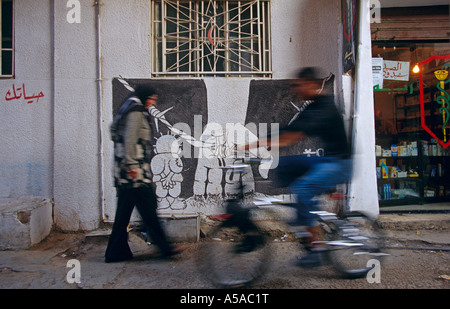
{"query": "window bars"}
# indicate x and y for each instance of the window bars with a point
(198, 38)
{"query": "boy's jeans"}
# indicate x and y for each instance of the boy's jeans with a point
(310, 177)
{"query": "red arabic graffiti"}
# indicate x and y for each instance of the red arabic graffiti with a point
(19, 92)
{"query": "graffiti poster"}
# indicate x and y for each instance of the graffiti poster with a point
(191, 155)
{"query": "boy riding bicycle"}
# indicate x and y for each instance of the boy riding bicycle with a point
(312, 176)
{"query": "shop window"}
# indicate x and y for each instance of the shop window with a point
(411, 106)
(6, 42)
(413, 166)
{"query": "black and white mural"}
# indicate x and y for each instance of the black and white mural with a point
(191, 153)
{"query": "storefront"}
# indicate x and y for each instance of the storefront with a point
(411, 64)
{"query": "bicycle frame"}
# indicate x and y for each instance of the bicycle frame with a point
(348, 240)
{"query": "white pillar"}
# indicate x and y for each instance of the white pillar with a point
(363, 189)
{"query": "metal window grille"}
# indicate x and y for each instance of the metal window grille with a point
(211, 38)
(7, 39)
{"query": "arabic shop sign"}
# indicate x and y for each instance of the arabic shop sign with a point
(388, 70)
(439, 78)
(396, 70)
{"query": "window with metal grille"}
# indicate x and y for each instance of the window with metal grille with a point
(6, 42)
(211, 38)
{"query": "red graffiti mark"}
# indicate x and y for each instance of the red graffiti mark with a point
(210, 38)
(19, 92)
(349, 25)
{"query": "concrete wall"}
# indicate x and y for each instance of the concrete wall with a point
(57, 148)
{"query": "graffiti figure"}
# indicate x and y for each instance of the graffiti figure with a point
(209, 173)
(212, 177)
(167, 167)
(212, 163)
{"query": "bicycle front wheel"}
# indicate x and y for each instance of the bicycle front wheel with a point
(230, 258)
(356, 245)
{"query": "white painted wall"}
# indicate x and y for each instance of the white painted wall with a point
(305, 33)
(76, 181)
(26, 166)
(51, 148)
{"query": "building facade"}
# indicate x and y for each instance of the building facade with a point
(411, 54)
(221, 68)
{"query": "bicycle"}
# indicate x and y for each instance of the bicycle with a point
(238, 251)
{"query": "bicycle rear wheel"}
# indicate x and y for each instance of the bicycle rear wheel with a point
(230, 258)
(356, 245)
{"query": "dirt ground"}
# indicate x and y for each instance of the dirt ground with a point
(419, 259)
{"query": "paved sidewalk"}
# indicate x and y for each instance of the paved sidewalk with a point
(415, 221)
(47, 265)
